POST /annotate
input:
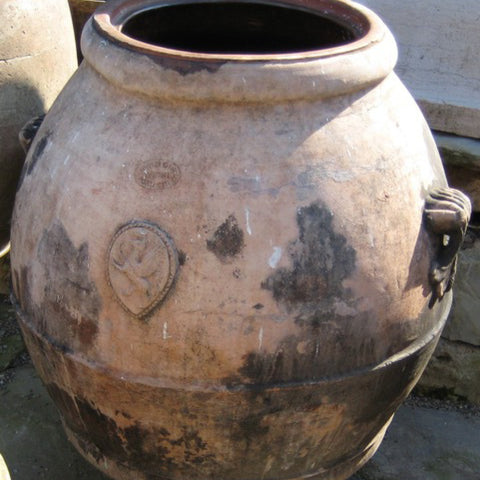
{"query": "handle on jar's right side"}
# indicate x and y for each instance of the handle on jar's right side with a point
(446, 215)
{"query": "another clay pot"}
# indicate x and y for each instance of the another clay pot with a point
(230, 255)
(37, 49)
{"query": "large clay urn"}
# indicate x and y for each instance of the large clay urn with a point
(234, 243)
(37, 57)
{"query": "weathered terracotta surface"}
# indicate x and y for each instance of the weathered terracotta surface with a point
(34, 67)
(223, 263)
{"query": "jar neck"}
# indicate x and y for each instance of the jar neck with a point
(153, 69)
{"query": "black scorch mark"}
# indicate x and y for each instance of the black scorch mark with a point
(227, 240)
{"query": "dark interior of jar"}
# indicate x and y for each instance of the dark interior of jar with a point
(237, 28)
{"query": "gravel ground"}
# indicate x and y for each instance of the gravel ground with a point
(9, 330)
(464, 408)
(8, 323)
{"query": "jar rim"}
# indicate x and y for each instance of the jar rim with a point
(111, 17)
(238, 77)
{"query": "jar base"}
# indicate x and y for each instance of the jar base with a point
(118, 471)
(140, 428)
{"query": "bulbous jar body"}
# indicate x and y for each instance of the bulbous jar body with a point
(34, 67)
(219, 258)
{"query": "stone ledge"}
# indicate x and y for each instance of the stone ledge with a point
(458, 151)
(438, 43)
(461, 159)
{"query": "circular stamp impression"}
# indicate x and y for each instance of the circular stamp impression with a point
(142, 264)
(157, 174)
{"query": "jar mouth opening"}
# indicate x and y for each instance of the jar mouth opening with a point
(236, 30)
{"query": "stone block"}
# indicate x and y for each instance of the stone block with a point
(453, 372)
(5, 275)
(461, 159)
(10, 348)
(464, 320)
(438, 45)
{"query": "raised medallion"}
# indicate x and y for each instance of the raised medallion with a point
(157, 174)
(142, 264)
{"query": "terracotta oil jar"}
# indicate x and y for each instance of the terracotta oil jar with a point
(34, 67)
(234, 243)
